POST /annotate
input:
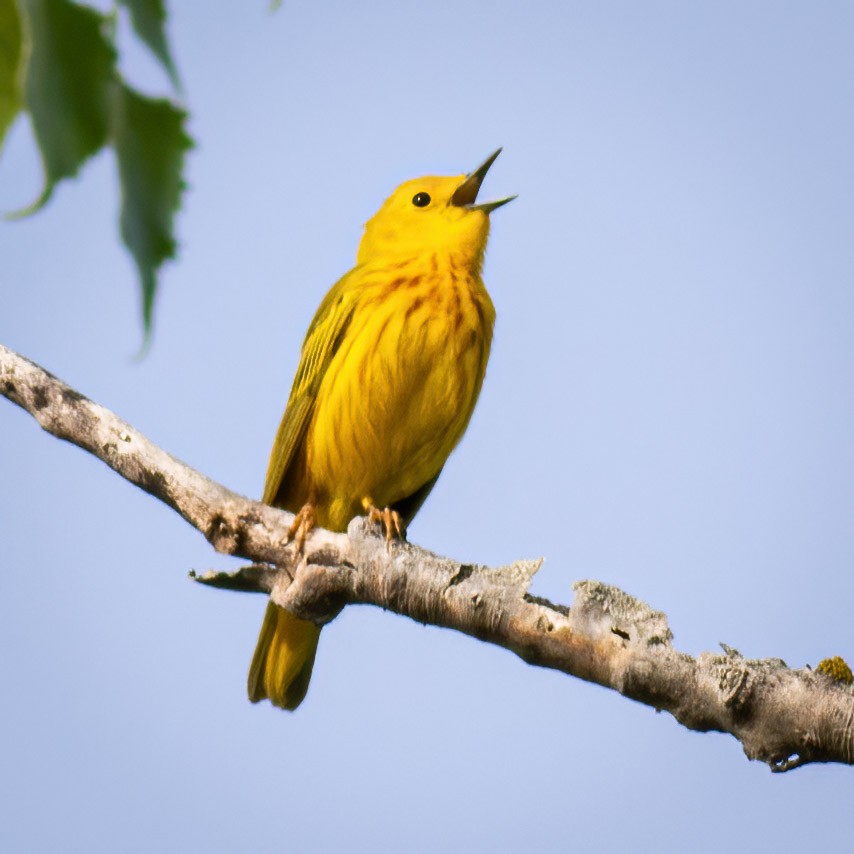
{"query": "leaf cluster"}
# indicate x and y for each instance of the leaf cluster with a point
(59, 64)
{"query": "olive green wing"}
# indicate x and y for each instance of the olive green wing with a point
(322, 341)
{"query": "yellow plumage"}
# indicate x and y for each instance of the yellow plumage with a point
(390, 372)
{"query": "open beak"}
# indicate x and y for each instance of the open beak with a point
(466, 194)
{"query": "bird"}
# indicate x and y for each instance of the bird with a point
(390, 371)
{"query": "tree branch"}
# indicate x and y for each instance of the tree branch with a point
(781, 716)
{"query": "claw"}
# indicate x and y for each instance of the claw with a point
(301, 527)
(390, 520)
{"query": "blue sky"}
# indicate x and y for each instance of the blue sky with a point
(668, 408)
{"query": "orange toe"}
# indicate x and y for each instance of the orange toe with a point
(390, 520)
(302, 526)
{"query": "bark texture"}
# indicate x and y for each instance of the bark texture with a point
(781, 716)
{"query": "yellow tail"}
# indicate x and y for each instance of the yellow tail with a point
(281, 666)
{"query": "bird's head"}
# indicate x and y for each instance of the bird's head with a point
(432, 214)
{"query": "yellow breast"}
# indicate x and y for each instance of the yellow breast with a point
(401, 388)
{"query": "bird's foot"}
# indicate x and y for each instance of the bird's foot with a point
(390, 520)
(301, 527)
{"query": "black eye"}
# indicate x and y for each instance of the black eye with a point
(421, 200)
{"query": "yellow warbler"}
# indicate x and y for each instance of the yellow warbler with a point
(391, 368)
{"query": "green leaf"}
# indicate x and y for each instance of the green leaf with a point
(58, 62)
(150, 141)
(11, 51)
(149, 18)
(69, 80)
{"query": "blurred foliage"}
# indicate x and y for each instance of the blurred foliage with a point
(10, 61)
(149, 20)
(59, 64)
